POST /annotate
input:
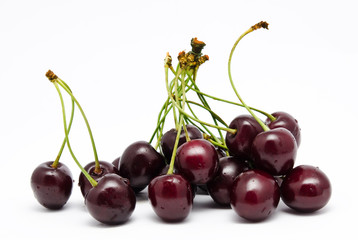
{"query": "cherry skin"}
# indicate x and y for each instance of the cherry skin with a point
(112, 201)
(239, 144)
(306, 189)
(197, 161)
(171, 197)
(255, 195)
(106, 168)
(220, 186)
(285, 120)
(140, 163)
(52, 187)
(167, 142)
(274, 151)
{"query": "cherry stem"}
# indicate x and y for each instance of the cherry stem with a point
(179, 126)
(57, 160)
(233, 131)
(256, 26)
(64, 86)
(90, 179)
(268, 115)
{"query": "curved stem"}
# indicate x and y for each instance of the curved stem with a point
(264, 127)
(64, 86)
(55, 163)
(268, 115)
(233, 131)
(90, 179)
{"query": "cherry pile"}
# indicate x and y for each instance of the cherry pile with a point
(248, 164)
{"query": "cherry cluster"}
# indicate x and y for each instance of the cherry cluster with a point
(248, 164)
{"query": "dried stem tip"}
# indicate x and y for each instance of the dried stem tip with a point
(51, 76)
(168, 61)
(261, 24)
(197, 46)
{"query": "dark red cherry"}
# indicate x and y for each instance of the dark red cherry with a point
(306, 189)
(112, 201)
(168, 140)
(274, 151)
(197, 161)
(171, 197)
(52, 187)
(140, 163)
(239, 144)
(255, 195)
(220, 186)
(285, 120)
(106, 168)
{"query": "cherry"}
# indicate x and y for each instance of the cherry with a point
(52, 186)
(112, 201)
(220, 186)
(285, 120)
(140, 163)
(255, 195)
(306, 189)
(274, 151)
(168, 139)
(239, 144)
(106, 168)
(171, 197)
(197, 161)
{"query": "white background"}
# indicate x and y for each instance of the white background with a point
(111, 54)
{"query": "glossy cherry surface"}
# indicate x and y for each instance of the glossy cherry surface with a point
(106, 168)
(219, 187)
(112, 201)
(274, 151)
(306, 189)
(171, 197)
(52, 187)
(239, 144)
(285, 120)
(168, 140)
(140, 163)
(255, 195)
(197, 161)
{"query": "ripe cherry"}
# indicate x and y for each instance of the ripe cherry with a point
(106, 168)
(239, 144)
(306, 189)
(140, 163)
(255, 195)
(112, 201)
(168, 140)
(285, 120)
(52, 186)
(171, 197)
(274, 151)
(219, 187)
(197, 161)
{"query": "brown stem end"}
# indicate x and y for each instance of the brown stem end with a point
(259, 25)
(51, 75)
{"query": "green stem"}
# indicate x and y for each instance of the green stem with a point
(64, 86)
(264, 127)
(171, 165)
(90, 179)
(233, 131)
(194, 88)
(55, 163)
